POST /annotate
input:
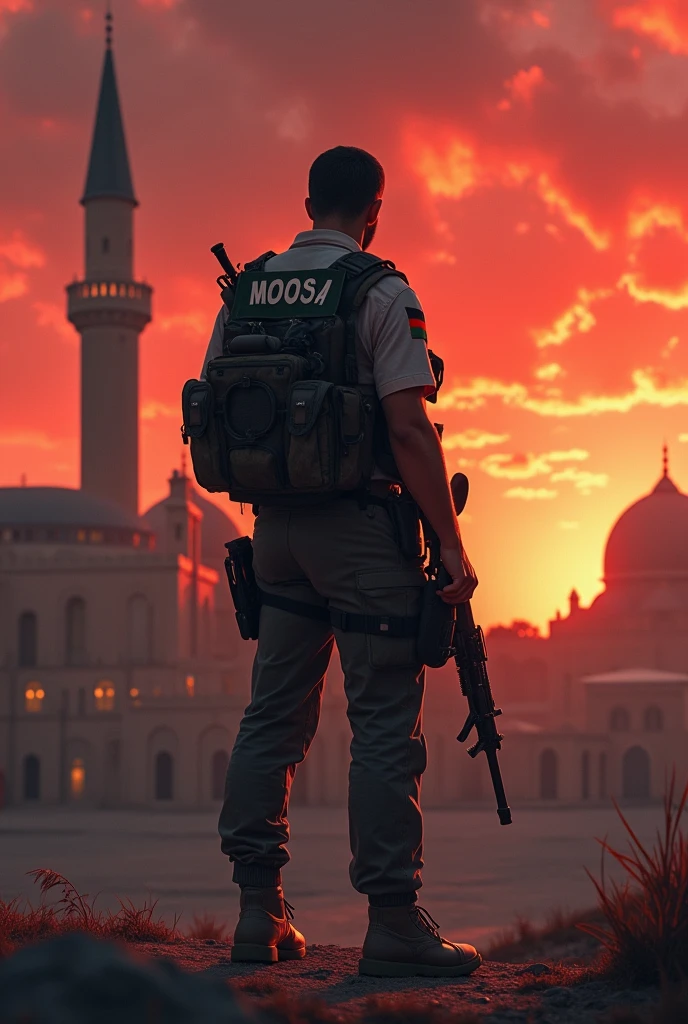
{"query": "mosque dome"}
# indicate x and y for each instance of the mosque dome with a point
(63, 515)
(216, 527)
(649, 541)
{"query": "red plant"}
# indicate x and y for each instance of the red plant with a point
(207, 927)
(75, 911)
(646, 937)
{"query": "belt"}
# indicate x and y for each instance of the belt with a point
(398, 626)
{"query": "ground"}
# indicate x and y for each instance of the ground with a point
(500, 992)
(479, 875)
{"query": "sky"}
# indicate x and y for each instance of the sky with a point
(536, 156)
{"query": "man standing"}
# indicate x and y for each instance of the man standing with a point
(344, 554)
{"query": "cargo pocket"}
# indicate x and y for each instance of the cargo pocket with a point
(355, 438)
(311, 452)
(199, 430)
(254, 468)
(391, 592)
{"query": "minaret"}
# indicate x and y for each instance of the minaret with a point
(109, 308)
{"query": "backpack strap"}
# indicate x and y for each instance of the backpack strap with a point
(363, 271)
(259, 264)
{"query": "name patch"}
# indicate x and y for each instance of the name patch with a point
(286, 295)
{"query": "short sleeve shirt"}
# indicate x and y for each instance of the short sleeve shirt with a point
(392, 342)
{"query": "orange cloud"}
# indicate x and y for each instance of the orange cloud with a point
(450, 174)
(523, 467)
(472, 438)
(21, 253)
(12, 286)
(531, 493)
(582, 479)
(665, 23)
(549, 372)
(645, 392)
(49, 314)
(27, 439)
(153, 410)
(556, 200)
(523, 85)
(576, 319)
(668, 297)
(646, 221)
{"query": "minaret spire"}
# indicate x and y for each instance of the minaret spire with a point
(665, 460)
(109, 174)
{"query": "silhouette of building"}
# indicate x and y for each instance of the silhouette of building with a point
(122, 675)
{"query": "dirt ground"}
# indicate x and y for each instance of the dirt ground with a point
(499, 992)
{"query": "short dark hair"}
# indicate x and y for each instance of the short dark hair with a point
(345, 180)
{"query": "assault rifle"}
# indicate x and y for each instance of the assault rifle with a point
(470, 655)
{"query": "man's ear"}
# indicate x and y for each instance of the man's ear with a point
(374, 211)
(309, 208)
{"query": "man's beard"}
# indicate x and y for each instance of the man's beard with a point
(368, 235)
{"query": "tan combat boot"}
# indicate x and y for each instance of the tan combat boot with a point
(405, 941)
(264, 933)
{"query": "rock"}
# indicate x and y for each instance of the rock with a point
(558, 996)
(536, 970)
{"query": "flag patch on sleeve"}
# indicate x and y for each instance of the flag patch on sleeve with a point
(416, 319)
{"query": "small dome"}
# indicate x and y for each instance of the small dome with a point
(216, 528)
(650, 539)
(68, 516)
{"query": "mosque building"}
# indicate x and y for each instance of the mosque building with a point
(122, 674)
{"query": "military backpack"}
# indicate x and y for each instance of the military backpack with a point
(282, 418)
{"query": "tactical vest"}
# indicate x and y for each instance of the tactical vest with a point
(282, 418)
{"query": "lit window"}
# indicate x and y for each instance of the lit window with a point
(77, 778)
(131, 291)
(33, 697)
(94, 289)
(136, 539)
(86, 290)
(103, 289)
(96, 536)
(122, 291)
(104, 694)
(133, 693)
(190, 685)
(81, 536)
(113, 289)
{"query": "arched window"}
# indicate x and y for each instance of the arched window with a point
(549, 771)
(635, 770)
(602, 776)
(585, 775)
(77, 778)
(32, 777)
(140, 630)
(104, 696)
(653, 719)
(218, 771)
(34, 695)
(76, 631)
(164, 776)
(619, 720)
(28, 639)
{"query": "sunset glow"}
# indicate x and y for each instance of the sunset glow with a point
(536, 164)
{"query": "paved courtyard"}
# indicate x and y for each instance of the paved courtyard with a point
(479, 875)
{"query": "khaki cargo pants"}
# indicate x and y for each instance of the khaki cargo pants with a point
(348, 556)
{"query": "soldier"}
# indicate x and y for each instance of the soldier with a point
(344, 553)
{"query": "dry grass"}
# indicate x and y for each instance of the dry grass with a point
(559, 938)
(646, 916)
(22, 923)
(206, 926)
